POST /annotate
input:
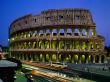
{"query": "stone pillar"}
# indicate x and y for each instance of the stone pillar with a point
(79, 59)
(65, 31)
(87, 32)
(80, 32)
(58, 30)
(50, 44)
(94, 59)
(86, 58)
(44, 32)
(65, 45)
(72, 58)
(100, 59)
(50, 59)
(51, 32)
(57, 56)
(72, 31)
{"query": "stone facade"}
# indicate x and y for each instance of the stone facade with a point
(63, 35)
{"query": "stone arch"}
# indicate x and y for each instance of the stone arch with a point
(90, 32)
(54, 32)
(83, 58)
(54, 57)
(41, 57)
(61, 44)
(97, 59)
(90, 58)
(41, 44)
(61, 32)
(102, 59)
(47, 44)
(84, 32)
(76, 32)
(47, 58)
(61, 58)
(47, 32)
(68, 58)
(76, 58)
(54, 44)
(76, 45)
(69, 31)
(84, 45)
(69, 44)
(41, 32)
(35, 33)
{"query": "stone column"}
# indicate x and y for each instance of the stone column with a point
(58, 30)
(86, 57)
(94, 59)
(50, 59)
(72, 58)
(100, 59)
(80, 32)
(65, 31)
(79, 59)
(57, 56)
(72, 31)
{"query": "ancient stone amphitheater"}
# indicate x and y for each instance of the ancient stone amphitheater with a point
(57, 35)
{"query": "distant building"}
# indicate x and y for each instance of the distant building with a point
(63, 35)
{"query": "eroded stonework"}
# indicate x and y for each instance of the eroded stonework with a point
(63, 35)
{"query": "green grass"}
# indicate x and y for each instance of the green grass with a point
(20, 78)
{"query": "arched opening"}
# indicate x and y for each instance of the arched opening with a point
(29, 57)
(54, 44)
(83, 45)
(90, 58)
(84, 32)
(76, 58)
(102, 58)
(69, 44)
(47, 44)
(35, 34)
(54, 57)
(96, 59)
(76, 32)
(76, 45)
(68, 58)
(41, 58)
(54, 33)
(41, 45)
(47, 32)
(61, 31)
(41, 33)
(47, 58)
(61, 58)
(90, 32)
(61, 44)
(91, 46)
(69, 32)
(83, 59)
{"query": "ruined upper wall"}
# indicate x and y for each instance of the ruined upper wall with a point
(54, 17)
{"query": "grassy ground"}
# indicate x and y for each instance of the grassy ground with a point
(20, 78)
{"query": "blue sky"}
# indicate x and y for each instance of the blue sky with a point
(12, 9)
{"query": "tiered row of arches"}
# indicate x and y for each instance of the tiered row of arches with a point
(64, 58)
(54, 32)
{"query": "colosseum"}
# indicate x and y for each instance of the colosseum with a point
(57, 35)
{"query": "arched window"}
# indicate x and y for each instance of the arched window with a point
(61, 31)
(76, 32)
(54, 32)
(47, 32)
(84, 32)
(69, 31)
